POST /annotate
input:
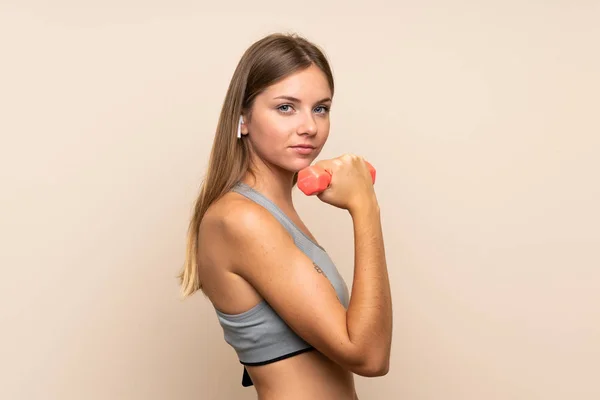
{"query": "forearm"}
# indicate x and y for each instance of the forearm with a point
(369, 315)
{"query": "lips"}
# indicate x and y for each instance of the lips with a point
(303, 149)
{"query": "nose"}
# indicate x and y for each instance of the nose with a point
(307, 126)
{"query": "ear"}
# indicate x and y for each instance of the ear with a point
(243, 125)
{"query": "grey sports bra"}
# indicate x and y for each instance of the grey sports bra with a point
(259, 336)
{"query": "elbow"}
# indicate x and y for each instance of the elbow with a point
(371, 361)
(377, 370)
(383, 369)
(374, 367)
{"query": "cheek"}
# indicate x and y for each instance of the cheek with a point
(269, 134)
(324, 129)
(276, 129)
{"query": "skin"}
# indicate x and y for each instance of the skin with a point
(266, 264)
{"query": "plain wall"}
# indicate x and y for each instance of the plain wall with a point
(482, 119)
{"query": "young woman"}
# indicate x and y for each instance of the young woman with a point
(279, 298)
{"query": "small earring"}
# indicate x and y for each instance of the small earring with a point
(239, 130)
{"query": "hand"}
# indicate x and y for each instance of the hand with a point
(351, 184)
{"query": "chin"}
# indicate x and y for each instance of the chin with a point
(294, 163)
(300, 164)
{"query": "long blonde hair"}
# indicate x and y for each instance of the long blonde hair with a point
(265, 62)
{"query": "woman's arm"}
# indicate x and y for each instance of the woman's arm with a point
(370, 310)
(265, 255)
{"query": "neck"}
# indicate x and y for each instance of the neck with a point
(273, 182)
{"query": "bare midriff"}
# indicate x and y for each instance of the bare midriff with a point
(309, 375)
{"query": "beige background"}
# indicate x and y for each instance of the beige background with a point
(481, 117)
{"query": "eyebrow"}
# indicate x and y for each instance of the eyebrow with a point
(294, 99)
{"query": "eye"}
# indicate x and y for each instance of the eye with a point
(324, 109)
(285, 108)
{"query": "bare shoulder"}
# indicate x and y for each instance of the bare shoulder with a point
(228, 291)
(229, 228)
(234, 216)
(249, 231)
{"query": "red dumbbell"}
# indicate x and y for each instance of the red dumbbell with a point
(314, 179)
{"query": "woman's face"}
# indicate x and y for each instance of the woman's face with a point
(289, 123)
